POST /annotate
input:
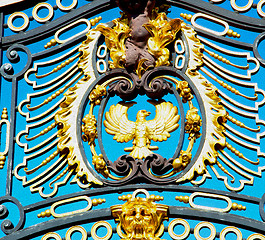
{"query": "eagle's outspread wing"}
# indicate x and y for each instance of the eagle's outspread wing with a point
(118, 124)
(165, 121)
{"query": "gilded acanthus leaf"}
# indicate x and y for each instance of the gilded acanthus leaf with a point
(115, 41)
(162, 33)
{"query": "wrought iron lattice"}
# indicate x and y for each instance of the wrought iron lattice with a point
(159, 104)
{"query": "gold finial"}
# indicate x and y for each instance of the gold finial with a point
(4, 114)
(44, 214)
(51, 43)
(239, 207)
(184, 199)
(94, 21)
(98, 201)
(232, 33)
(2, 161)
(186, 16)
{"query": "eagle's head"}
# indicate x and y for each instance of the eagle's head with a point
(142, 114)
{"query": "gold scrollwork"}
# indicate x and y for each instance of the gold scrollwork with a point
(162, 33)
(17, 15)
(211, 104)
(64, 116)
(115, 41)
(39, 6)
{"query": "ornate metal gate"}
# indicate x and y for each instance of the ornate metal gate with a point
(136, 101)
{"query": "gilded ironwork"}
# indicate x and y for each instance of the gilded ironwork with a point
(100, 165)
(89, 128)
(51, 211)
(139, 39)
(162, 33)
(230, 205)
(97, 94)
(115, 41)
(171, 59)
(68, 98)
(142, 131)
(140, 218)
(4, 121)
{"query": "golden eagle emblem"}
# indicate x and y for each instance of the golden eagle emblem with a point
(141, 131)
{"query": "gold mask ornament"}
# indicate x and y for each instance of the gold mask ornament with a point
(140, 218)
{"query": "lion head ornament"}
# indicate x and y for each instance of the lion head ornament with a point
(140, 218)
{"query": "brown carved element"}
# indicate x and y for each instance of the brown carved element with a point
(138, 40)
(138, 13)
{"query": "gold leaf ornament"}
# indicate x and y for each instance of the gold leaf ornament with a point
(115, 41)
(193, 123)
(100, 165)
(140, 218)
(97, 94)
(162, 33)
(89, 128)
